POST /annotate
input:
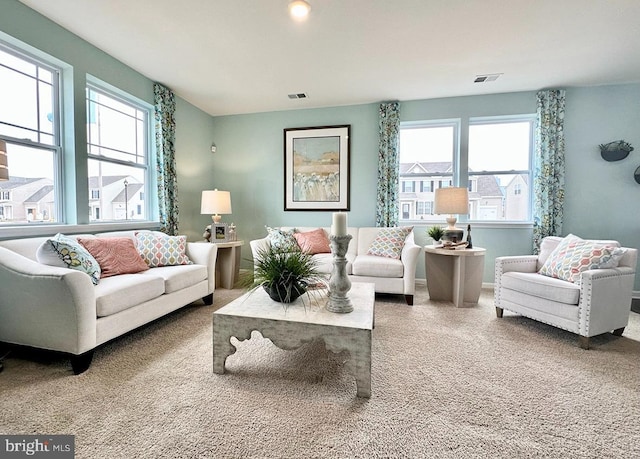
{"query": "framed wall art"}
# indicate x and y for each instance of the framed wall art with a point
(316, 168)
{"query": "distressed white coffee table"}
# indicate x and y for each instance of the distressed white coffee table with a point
(294, 325)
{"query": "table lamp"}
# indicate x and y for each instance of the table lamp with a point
(215, 202)
(451, 200)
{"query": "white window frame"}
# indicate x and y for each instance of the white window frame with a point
(108, 90)
(506, 119)
(19, 52)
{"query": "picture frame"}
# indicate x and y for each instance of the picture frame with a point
(317, 168)
(219, 232)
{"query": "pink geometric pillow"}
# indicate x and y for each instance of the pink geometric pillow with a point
(162, 250)
(313, 242)
(389, 242)
(115, 255)
(574, 255)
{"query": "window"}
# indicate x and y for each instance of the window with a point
(427, 157)
(29, 124)
(500, 155)
(118, 150)
(499, 174)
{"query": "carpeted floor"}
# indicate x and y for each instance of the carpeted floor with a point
(446, 383)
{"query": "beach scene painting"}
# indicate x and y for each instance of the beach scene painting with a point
(317, 168)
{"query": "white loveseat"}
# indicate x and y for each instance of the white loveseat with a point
(599, 302)
(61, 309)
(389, 275)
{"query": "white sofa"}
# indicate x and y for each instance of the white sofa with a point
(389, 275)
(599, 303)
(60, 309)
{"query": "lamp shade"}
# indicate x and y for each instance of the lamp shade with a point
(4, 163)
(215, 202)
(451, 200)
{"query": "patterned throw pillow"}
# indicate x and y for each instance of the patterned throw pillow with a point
(389, 242)
(116, 255)
(574, 255)
(162, 250)
(313, 242)
(283, 240)
(70, 254)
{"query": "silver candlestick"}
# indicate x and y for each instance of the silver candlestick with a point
(339, 283)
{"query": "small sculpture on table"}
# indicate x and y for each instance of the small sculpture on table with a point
(339, 283)
(207, 233)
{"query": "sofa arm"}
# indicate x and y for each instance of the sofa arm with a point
(257, 246)
(202, 253)
(409, 258)
(605, 300)
(45, 306)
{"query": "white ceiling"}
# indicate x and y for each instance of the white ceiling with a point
(245, 56)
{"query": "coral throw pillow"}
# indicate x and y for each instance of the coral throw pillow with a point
(313, 242)
(162, 250)
(574, 255)
(389, 242)
(116, 255)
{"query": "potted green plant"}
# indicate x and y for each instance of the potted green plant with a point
(435, 232)
(283, 274)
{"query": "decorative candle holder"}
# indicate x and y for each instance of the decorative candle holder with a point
(339, 283)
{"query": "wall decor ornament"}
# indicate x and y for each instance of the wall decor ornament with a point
(616, 150)
(316, 168)
(636, 175)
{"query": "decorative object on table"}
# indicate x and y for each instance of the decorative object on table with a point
(316, 168)
(215, 202)
(616, 150)
(451, 200)
(285, 275)
(469, 244)
(339, 282)
(4, 161)
(207, 233)
(435, 232)
(219, 232)
(232, 233)
(450, 245)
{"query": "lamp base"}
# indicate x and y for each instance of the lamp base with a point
(453, 235)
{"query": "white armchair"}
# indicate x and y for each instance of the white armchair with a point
(599, 303)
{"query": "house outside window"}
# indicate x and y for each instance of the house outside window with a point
(30, 126)
(118, 130)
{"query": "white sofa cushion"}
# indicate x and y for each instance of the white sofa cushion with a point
(542, 287)
(178, 277)
(375, 266)
(117, 293)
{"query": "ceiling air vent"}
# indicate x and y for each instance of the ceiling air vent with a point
(486, 78)
(298, 95)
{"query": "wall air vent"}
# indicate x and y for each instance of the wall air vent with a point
(487, 78)
(298, 95)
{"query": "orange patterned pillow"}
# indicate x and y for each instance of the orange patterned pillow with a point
(115, 255)
(313, 242)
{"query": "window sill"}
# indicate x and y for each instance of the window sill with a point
(16, 232)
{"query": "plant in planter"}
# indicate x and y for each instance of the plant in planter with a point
(435, 233)
(284, 274)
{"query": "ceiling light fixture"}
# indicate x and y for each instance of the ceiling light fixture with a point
(299, 9)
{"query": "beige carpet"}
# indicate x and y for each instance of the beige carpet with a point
(447, 382)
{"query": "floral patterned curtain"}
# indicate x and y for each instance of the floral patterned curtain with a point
(165, 104)
(548, 175)
(388, 165)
